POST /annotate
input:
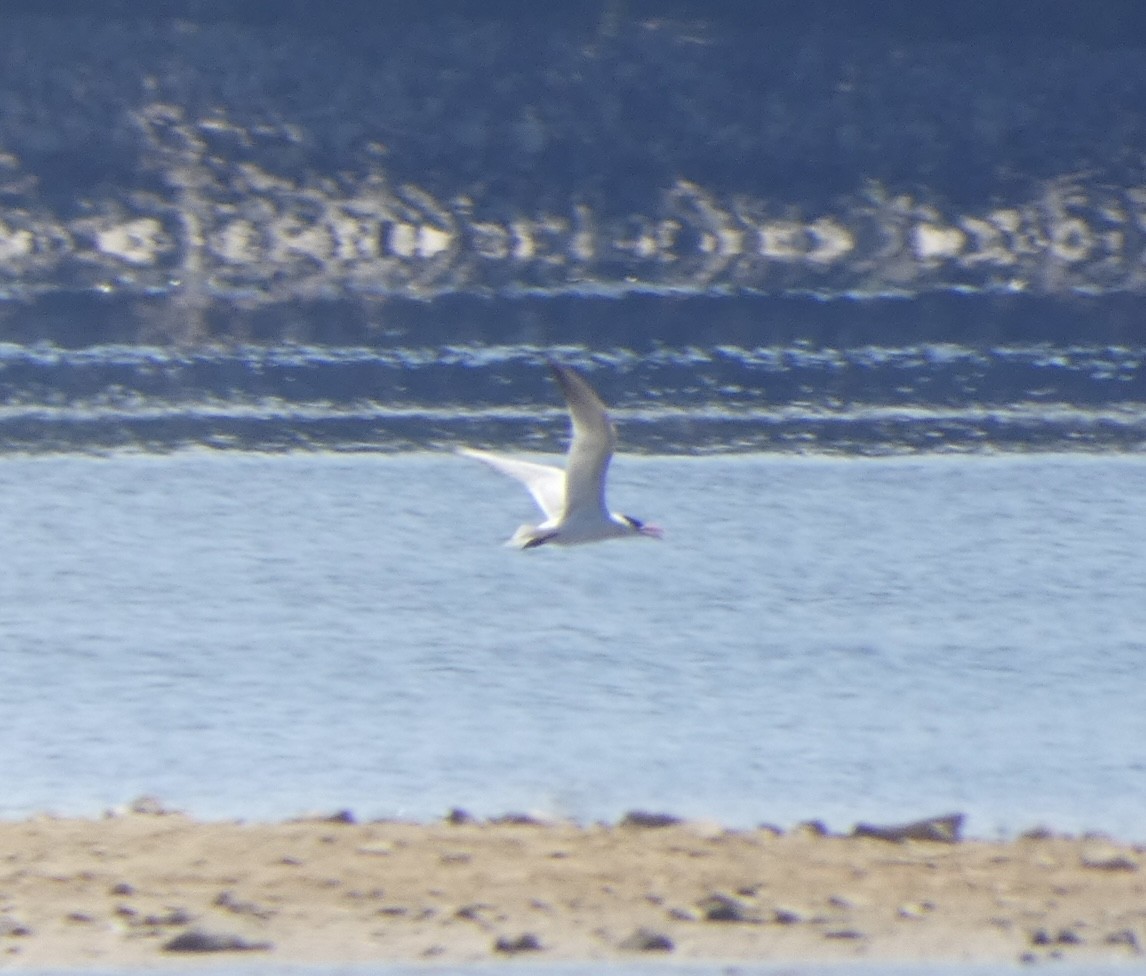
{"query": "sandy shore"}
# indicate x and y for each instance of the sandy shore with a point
(135, 888)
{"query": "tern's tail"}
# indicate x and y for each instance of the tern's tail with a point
(530, 537)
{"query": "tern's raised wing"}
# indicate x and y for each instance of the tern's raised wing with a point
(591, 447)
(545, 483)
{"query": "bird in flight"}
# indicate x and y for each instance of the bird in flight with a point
(573, 500)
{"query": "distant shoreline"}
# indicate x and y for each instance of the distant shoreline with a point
(147, 886)
(239, 172)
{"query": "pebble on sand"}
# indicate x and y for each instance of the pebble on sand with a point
(646, 940)
(723, 908)
(13, 926)
(526, 942)
(643, 818)
(946, 829)
(198, 940)
(1108, 860)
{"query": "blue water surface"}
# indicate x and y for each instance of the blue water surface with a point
(251, 635)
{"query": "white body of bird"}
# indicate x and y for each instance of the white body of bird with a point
(573, 499)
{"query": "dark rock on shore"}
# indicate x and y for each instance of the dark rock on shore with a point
(724, 908)
(199, 940)
(946, 829)
(526, 942)
(646, 940)
(642, 818)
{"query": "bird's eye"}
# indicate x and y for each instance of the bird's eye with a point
(635, 523)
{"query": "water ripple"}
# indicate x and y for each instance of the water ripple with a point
(868, 399)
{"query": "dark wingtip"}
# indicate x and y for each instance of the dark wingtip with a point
(561, 373)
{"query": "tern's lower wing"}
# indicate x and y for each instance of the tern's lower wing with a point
(545, 483)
